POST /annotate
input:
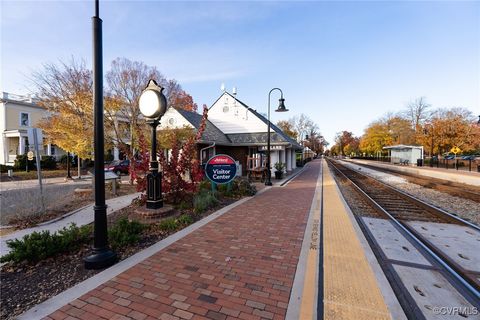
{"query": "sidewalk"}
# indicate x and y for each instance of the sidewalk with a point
(239, 265)
(80, 217)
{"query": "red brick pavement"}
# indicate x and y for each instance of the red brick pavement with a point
(240, 265)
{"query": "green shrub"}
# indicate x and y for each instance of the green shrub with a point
(124, 233)
(48, 163)
(21, 163)
(205, 185)
(185, 220)
(203, 201)
(169, 224)
(242, 187)
(185, 205)
(41, 245)
(4, 168)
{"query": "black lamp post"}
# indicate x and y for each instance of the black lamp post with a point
(478, 123)
(153, 105)
(102, 256)
(281, 108)
(429, 130)
(69, 176)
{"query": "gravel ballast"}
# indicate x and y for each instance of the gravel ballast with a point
(464, 208)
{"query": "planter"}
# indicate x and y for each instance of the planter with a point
(278, 174)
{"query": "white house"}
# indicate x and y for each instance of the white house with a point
(235, 129)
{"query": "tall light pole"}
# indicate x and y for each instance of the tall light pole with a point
(101, 256)
(281, 108)
(153, 105)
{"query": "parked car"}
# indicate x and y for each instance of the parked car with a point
(450, 157)
(471, 157)
(119, 167)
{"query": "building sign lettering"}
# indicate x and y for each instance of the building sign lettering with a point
(221, 169)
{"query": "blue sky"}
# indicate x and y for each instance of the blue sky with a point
(344, 64)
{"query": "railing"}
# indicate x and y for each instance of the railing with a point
(454, 164)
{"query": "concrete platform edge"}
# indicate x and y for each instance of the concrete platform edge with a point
(389, 296)
(295, 301)
(51, 305)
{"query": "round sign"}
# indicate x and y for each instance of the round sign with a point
(221, 169)
(30, 155)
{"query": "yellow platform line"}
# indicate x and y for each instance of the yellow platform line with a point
(350, 287)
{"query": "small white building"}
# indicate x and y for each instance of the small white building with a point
(405, 154)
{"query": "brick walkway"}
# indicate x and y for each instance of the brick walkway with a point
(241, 265)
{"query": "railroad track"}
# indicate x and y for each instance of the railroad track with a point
(455, 189)
(404, 210)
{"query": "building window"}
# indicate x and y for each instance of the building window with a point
(24, 119)
(225, 109)
(171, 121)
(52, 149)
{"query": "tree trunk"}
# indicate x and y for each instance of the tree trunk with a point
(79, 171)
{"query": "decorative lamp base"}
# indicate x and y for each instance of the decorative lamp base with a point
(100, 259)
(155, 204)
(154, 190)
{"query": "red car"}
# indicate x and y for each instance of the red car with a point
(119, 167)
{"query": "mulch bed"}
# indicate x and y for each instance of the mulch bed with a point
(24, 286)
(77, 201)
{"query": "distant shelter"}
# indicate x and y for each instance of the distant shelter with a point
(405, 154)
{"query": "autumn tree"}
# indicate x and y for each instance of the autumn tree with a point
(288, 127)
(346, 143)
(65, 90)
(375, 137)
(451, 127)
(126, 79)
(178, 98)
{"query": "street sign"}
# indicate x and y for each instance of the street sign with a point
(30, 155)
(221, 169)
(31, 132)
(455, 150)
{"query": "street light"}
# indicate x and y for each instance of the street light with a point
(281, 108)
(429, 131)
(153, 105)
(101, 256)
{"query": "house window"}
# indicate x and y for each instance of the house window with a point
(24, 119)
(171, 121)
(52, 149)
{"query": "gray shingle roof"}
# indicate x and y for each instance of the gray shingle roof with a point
(211, 133)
